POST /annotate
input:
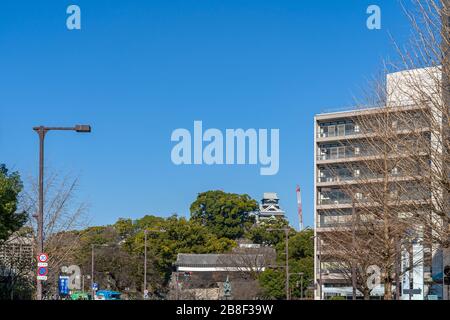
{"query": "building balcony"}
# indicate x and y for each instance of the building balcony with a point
(344, 152)
(362, 155)
(335, 201)
(331, 181)
(334, 222)
(345, 179)
(333, 134)
(403, 200)
(352, 134)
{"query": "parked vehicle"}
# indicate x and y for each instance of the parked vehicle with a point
(107, 295)
(80, 295)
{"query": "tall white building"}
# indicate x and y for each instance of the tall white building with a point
(339, 155)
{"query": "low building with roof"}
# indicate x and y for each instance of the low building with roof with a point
(202, 276)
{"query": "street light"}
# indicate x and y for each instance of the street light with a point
(93, 263)
(301, 281)
(145, 257)
(319, 249)
(83, 128)
(42, 131)
(286, 232)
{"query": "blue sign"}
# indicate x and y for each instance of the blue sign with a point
(63, 285)
(42, 271)
(95, 286)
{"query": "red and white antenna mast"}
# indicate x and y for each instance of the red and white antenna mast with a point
(299, 206)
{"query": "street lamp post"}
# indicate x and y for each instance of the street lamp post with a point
(146, 231)
(42, 131)
(301, 282)
(286, 249)
(92, 272)
(145, 263)
(318, 285)
(354, 282)
(93, 264)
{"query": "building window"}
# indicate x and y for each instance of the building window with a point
(341, 130)
(331, 131)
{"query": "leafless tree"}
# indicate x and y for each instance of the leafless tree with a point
(431, 90)
(63, 215)
(398, 191)
(249, 262)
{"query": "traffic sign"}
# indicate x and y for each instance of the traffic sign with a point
(42, 271)
(42, 264)
(412, 291)
(63, 285)
(43, 257)
(42, 278)
(95, 286)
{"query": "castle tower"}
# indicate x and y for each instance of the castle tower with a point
(270, 207)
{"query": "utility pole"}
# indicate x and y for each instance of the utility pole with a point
(301, 282)
(443, 276)
(286, 252)
(319, 258)
(92, 273)
(146, 231)
(93, 263)
(353, 245)
(301, 287)
(40, 215)
(287, 263)
(42, 131)
(176, 286)
(398, 262)
(145, 263)
(299, 207)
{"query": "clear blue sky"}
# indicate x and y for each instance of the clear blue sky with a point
(139, 69)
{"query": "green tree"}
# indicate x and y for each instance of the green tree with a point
(301, 260)
(273, 284)
(179, 236)
(268, 232)
(119, 250)
(224, 214)
(10, 187)
(124, 227)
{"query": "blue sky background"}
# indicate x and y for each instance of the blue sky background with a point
(140, 69)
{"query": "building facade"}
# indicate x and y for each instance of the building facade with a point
(16, 267)
(341, 156)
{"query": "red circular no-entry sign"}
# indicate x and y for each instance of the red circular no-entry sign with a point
(43, 257)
